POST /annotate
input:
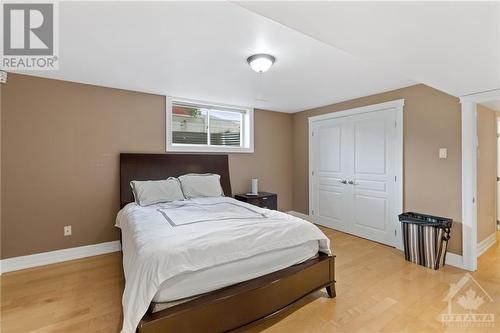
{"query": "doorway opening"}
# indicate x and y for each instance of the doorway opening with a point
(470, 140)
(487, 117)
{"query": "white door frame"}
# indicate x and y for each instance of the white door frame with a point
(396, 105)
(469, 174)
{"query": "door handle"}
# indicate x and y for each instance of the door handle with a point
(343, 181)
(351, 182)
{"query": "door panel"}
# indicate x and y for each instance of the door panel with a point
(328, 191)
(369, 147)
(329, 204)
(329, 149)
(331, 209)
(373, 176)
(371, 185)
(370, 213)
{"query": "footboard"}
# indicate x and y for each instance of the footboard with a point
(246, 302)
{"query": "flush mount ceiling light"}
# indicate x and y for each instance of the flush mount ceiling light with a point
(261, 62)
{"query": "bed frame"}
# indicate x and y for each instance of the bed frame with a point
(237, 305)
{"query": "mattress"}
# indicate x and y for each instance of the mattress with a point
(195, 283)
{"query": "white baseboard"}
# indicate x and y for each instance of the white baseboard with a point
(455, 260)
(46, 258)
(486, 243)
(300, 215)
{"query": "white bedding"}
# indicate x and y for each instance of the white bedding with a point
(195, 283)
(164, 241)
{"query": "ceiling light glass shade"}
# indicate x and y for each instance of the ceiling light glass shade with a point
(261, 62)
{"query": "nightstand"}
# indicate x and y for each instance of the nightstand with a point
(263, 199)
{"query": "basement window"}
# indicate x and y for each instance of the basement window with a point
(207, 127)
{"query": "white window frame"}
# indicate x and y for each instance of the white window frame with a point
(247, 129)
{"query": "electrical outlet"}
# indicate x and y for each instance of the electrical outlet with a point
(67, 230)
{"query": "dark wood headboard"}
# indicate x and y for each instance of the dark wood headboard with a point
(162, 166)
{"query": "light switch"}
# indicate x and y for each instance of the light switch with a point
(443, 152)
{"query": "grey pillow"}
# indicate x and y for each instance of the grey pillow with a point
(195, 185)
(150, 192)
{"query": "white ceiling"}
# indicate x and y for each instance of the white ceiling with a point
(199, 50)
(453, 46)
(326, 52)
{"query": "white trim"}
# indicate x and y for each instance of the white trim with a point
(469, 185)
(469, 173)
(486, 243)
(247, 129)
(400, 169)
(396, 104)
(481, 97)
(299, 215)
(455, 260)
(311, 172)
(46, 258)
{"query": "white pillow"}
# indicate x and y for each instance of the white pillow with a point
(195, 185)
(155, 191)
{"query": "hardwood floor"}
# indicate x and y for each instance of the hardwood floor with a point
(377, 291)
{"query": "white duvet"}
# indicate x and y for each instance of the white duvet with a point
(165, 240)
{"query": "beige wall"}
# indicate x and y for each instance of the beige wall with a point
(431, 120)
(486, 172)
(61, 140)
(59, 153)
(270, 162)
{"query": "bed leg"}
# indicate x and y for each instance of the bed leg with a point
(331, 290)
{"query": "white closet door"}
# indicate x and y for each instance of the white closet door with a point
(330, 199)
(372, 176)
(361, 150)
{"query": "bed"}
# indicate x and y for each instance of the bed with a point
(240, 269)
